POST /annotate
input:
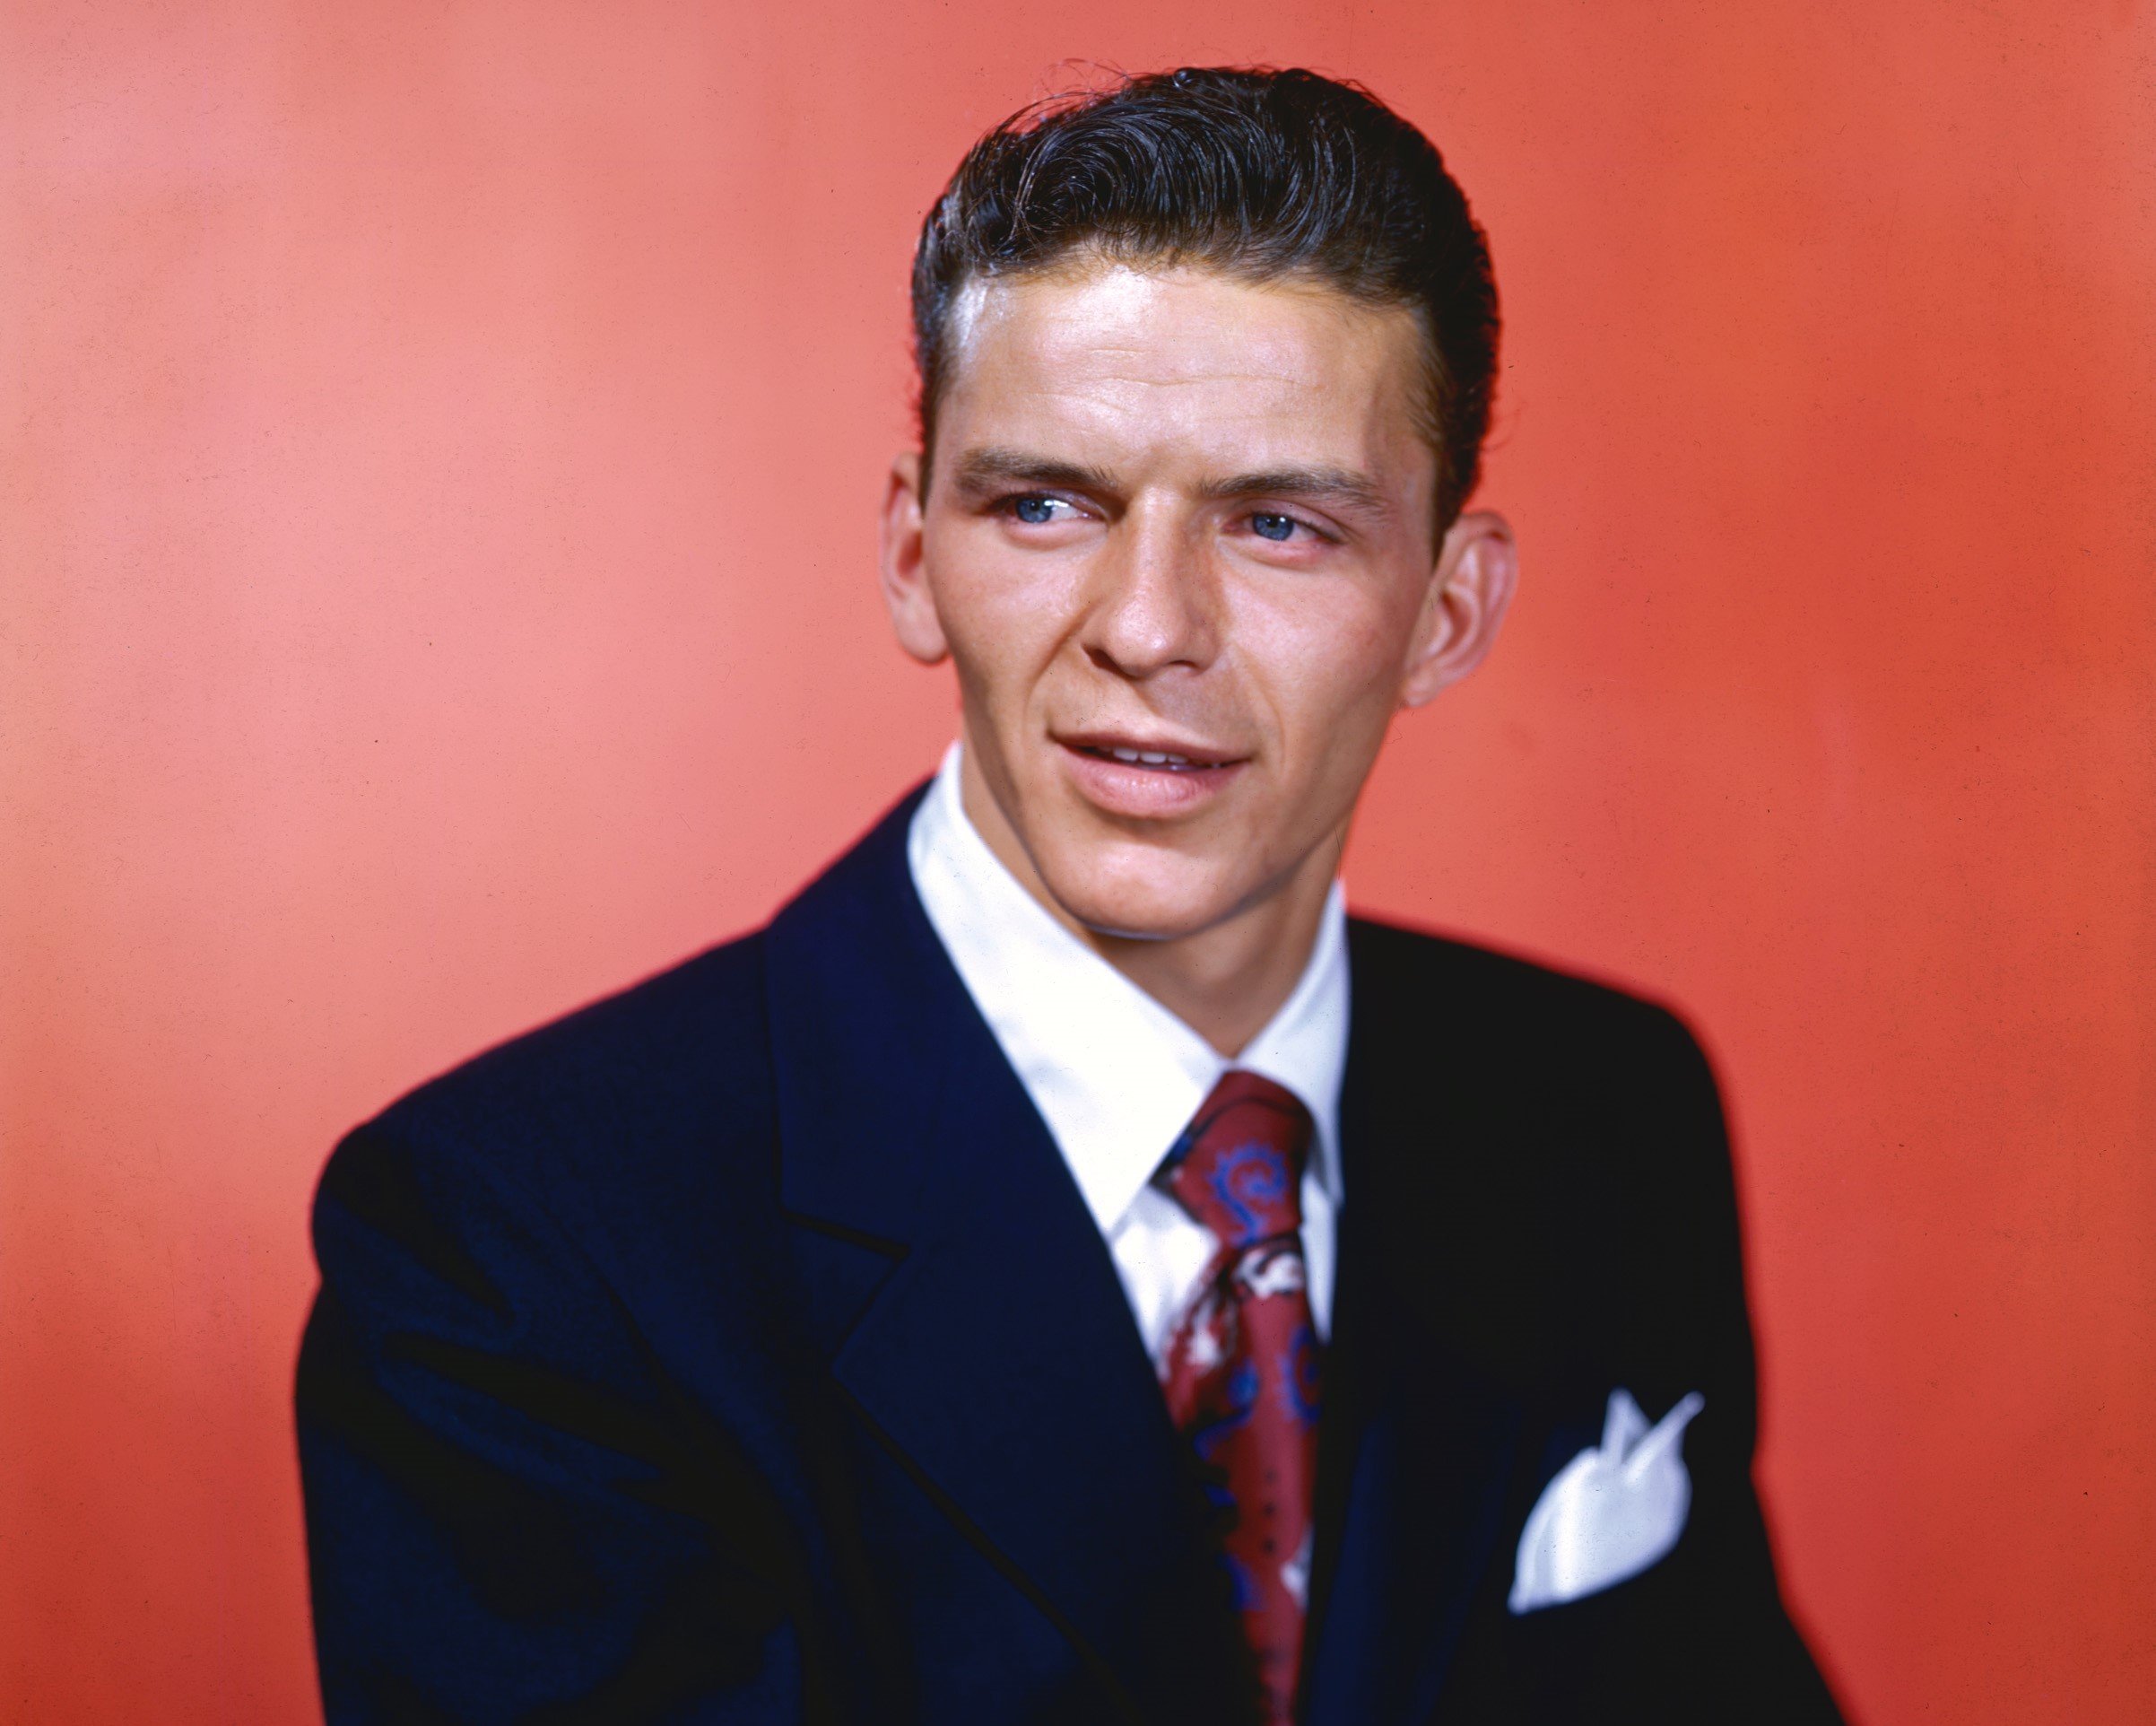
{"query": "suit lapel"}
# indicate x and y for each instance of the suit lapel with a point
(974, 1317)
(1420, 1436)
(974, 1312)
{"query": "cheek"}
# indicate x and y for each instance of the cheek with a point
(1004, 615)
(1333, 669)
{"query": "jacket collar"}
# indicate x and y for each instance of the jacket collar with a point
(990, 1350)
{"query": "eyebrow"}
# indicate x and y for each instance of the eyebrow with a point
(1338, 486)
(980, 469)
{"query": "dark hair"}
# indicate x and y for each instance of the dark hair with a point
(1262, 173)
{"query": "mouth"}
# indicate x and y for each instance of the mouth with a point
(1147, 778)
(1155, 754)
(1167, 761)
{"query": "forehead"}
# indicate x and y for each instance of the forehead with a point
(1184, 363)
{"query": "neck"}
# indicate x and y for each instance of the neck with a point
(1224, 981)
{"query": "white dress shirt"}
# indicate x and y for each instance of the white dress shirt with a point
(1115, 1076)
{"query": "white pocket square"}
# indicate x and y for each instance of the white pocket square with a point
(1612, 1511)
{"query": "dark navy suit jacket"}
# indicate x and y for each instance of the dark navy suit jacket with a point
(739, 1349)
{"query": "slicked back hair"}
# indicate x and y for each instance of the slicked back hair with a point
(1267, 175)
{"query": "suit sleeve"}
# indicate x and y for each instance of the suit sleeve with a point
(512, 1515)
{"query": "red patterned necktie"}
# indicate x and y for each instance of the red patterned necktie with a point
(1242, 1366)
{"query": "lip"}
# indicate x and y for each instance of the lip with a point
(1192, 775)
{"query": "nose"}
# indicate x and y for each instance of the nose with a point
(1156, 602)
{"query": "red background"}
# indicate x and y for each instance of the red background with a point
(442, 445)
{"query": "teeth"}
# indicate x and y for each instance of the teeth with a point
(1149, 758)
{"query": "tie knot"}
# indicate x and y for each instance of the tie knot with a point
(1237, 1167)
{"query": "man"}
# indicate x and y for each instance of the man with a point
(1063, 1270)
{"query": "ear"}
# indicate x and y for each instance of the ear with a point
(903, 564)
(1469, 589)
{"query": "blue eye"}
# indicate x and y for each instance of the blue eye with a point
(1271, 527)
(1035, 510)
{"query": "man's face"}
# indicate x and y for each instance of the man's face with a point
(1178, 542)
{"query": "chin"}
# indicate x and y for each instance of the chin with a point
(1148, 898)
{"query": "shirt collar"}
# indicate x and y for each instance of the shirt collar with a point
(1114, 1074)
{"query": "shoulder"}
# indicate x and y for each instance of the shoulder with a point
(664, 1083)
(1410, 986)
(687, 1040)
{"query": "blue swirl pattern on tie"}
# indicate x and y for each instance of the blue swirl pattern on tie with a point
(1242, 1370)
(1251, 1182)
